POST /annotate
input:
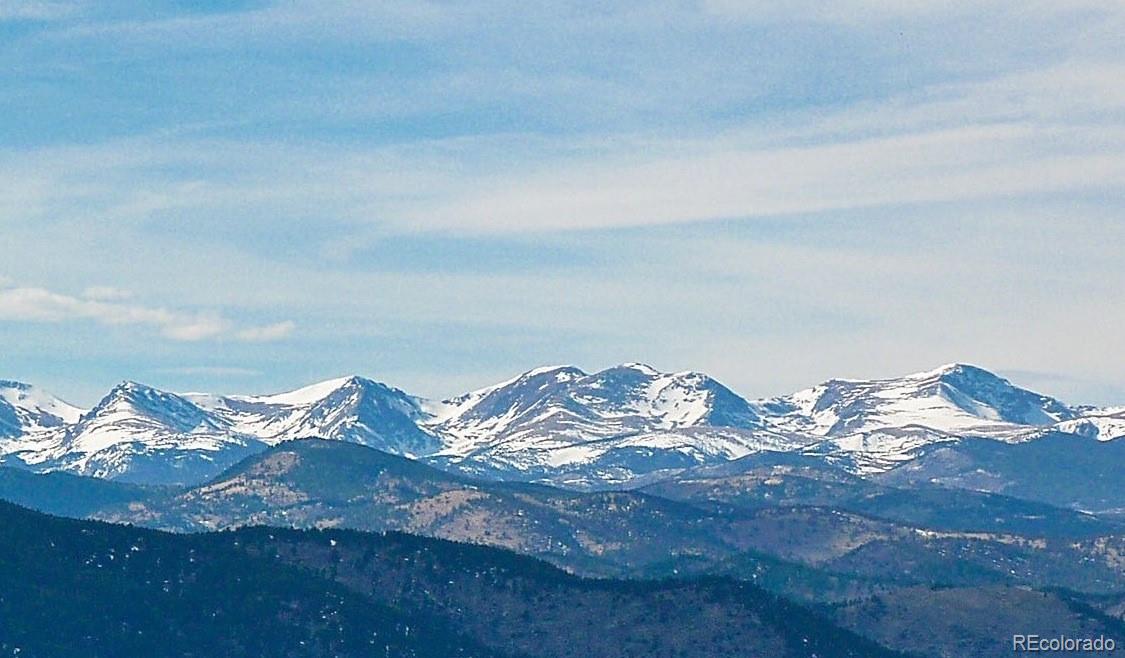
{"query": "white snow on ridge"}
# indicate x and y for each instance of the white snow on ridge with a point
(534, 408)
(1106, 425)
(304, 395)
(629, 420)
(929, 399)
(37, 407)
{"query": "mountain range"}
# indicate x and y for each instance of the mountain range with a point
(929, 515)
(626, 426)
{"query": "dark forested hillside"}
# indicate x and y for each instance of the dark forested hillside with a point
(80, 588)
(70, 495)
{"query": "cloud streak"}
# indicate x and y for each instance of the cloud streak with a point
(28, 304)
(35, 10)
(946, 166)
(852, 12)
(268, 332)
(1051, 132)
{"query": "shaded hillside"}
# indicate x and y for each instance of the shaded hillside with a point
(773, 480)
(311, 484)
(971, 623)
(65, 494)
(502, 599)
(814, 553)
(1059, 469)
(91, 589)
(80, 588)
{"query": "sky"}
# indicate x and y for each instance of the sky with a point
(253, 196)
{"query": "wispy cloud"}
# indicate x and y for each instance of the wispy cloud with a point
(268, 332)
(1054, 130)
(35, 10)
(955, 165)
(24, 304)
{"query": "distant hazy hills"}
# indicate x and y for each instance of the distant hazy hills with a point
(625, 426)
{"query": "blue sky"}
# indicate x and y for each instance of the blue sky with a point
(250, 196)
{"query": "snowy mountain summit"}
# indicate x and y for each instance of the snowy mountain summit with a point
(138, 433)
(956, 398)
(563, 402)
(25, 409)
(622, 420)
(624, 424)
(352, 409)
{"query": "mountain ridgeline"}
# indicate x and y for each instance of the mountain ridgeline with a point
(626, 426)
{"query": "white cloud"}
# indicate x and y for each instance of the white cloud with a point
(1051, 130)
(195, 328)
(978, 162)
(24, 304)
(267, 332)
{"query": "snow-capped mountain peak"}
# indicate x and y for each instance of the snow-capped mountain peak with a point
(510, 397)
(25, 409)
(630, 397)
(137, 432)
(313, 393)
(980, 392)
(871, 425)
(955, 398)
(624, 419)
(351, 408)
(554, 423)
(133, 402)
